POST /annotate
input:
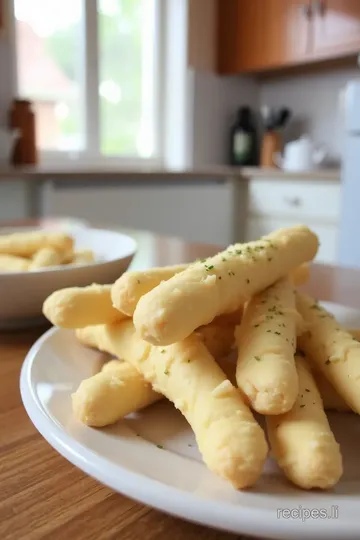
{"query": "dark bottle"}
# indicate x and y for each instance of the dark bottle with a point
(243, 140)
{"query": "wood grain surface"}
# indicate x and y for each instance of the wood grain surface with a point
(42, 496)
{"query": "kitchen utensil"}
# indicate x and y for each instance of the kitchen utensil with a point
(283, 117)
(301, 155)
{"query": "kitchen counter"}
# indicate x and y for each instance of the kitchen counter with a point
(113, 174)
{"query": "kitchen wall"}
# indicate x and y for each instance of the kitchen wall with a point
(315, 101)
(215, 101)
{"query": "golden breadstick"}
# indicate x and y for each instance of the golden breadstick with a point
(300, 274)
(175, 308)
(77, 307)
(45, 257)
(331, 349)
(113, 393)
(26, 244)
(266, 340)
(131, 286)
(301, 439)
(12, 263)
(83, 256)
(332, 401)
(232, 443)
(102, 400)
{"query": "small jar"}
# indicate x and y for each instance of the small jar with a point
(22, 118)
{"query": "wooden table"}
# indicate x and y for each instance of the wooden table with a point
(42, 496)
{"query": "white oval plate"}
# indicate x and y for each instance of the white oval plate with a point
(152, 456)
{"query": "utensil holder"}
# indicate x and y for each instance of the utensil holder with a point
(271, 145)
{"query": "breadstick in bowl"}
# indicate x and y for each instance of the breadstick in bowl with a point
(120, 389)
(331, 349)
(266, 340)
(301, 439)
(175, 308)
(45, 257)
(231, 442)
(78, 307)
(13, 263)
(26, 244)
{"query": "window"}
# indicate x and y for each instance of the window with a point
(91, 68)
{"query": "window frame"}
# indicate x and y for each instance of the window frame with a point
(91, 155)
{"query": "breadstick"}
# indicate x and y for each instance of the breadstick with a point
(232, 443)
(175, 308)
(301, 439)
(119, 390)
(131, 286)
(300, 274)
(113, 393)
(12, 263)
(331, 349)
(26, 244)
(45, 257)
(77, 307)
(83, 256)
(332, 401)
(266, 340)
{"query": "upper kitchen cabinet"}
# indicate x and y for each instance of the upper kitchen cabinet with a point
(285, 34)
(336, 27)
(240, 28)
(260, 35)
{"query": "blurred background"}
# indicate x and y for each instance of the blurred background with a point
(212, 120)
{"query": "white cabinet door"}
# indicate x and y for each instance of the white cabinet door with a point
(202, 211)
(296, 199)
(328, 235)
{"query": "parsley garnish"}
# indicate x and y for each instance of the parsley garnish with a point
(257, 358)
(160, 446)
(163, 351)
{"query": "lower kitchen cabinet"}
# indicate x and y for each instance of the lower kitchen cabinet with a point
(274, 203)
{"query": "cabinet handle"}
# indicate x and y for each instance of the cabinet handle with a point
(319, 7)
(306, 10)
(293, 201)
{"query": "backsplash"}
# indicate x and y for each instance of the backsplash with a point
(315, 101)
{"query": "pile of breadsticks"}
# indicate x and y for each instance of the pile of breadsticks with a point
(35, 250)
(169, 332)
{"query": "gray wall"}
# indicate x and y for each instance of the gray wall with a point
(315, 100)
(215, 101)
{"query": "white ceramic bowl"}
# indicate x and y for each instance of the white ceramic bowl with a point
(22, 293)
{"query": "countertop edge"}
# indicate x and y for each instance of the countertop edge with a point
(216, 172)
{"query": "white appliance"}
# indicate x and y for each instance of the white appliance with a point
(349, 254)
